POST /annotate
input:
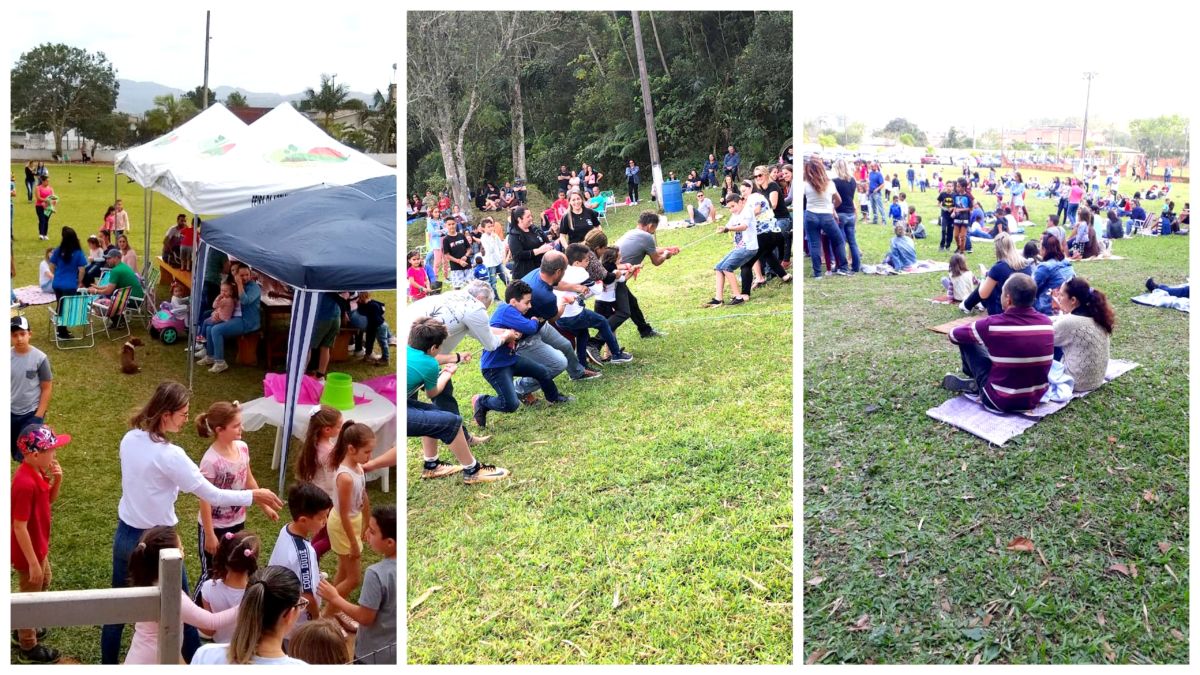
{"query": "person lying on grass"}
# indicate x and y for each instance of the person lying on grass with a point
(429, 423)
(499, 366)
(1006, 356)
(745, 247)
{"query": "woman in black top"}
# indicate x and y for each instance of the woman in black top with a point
(30, 180)
(564, 177)
(777, 239)
(576, 222)
(846, 187)
(526, 244)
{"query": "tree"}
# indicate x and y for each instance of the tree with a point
(953, 139)
(111, 130)
(329, 99)
(56, 88)
(236, 100)
(381, 121)
(196, 96)
(1164, 136)
(169, 113)
(898, 126)
(906, 139)
(827, 140)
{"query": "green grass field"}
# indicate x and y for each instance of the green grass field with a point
(649, 521)
(907, 519)
(93, 401)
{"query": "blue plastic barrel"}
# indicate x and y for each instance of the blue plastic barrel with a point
(672, 197)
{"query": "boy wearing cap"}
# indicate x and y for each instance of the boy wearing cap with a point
(32, 495)
(32, 382)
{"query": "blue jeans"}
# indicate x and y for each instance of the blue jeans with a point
(381, 333)
(501, 379)
(847, 221)
(553, 351)
(19, 422)
(1072, 209)
(493, 273)
(226, 329)
(430, 272)
(814, 225)
(579, 325)
(423, 419)
(124, 541)
(1177, 291)
(877, 211)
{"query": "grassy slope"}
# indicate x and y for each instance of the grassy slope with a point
(906, 519)
(93, 400)
(667, 484)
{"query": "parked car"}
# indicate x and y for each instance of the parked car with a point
(929, 159)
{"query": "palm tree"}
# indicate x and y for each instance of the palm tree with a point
(168, 113)
(328, 100)
(236, 100)
(380, 122)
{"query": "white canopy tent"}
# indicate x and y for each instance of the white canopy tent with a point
(210, 134)
(281, 153)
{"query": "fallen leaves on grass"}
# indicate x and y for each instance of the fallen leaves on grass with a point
(1149, 496)
(576, 648)
(755, 583)
(1100, 619)
(815, 581)
(1177, 635)
(617, 597)
(863, 623)
(946, 605)
(1020, 544)
(816, 657)
(423, 597)
(1129, 570)
(1164, 546)
(1109, 654)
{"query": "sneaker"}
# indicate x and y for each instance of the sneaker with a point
(440, 470)
(587, 375)
(480, 415)
(39, 654)
(652, 334)
(484, 473)
(16, 636)
(737, 300)
(359, 352)
(1150, 285)
(593, 355)
(689, 223)
(712, 303)
(219, 367)
(205, 361)
(963, 306)
(529, 399)
(561, 399)
(621, 357)
(960, 384)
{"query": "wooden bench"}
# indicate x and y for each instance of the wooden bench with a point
(170, 274)
(341, 345)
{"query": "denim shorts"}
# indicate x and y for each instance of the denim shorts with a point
(735, 259)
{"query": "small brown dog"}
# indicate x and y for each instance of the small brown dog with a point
(128, 364)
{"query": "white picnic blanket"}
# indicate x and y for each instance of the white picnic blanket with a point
(1160, 298)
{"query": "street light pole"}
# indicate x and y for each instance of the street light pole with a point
(204, 94)
(1086, 104)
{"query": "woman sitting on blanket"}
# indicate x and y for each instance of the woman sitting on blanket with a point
(1053, 272)
(1008, 261)
(1083, 332)
(1083, 242)
(903, 253)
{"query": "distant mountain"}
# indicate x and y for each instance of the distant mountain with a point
(136, 98)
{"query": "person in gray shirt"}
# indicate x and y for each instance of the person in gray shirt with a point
(376, 608)
(634, 246)
(32, 382)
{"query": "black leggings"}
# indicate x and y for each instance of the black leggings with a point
(626, 307)
(767, 241)
(59, 294)
(947, 234)
(633, 191)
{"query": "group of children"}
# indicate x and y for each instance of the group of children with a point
(254, 613)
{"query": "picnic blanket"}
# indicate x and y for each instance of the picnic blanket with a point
(920, 267)
(33, 295)
(965, 412)
(1100, 257)
(1157, 298)
(1015, 238)
(945, 328)
(943, 300)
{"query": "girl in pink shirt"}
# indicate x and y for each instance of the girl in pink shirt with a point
(418, 281)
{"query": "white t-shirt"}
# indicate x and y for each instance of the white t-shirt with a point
(461, 313)
(573, 275)
(217, 654)
(45, 276)
(747, 238)
(152, 476)
(297, 554)
(819, 202)
(493, 250)
(220, 598)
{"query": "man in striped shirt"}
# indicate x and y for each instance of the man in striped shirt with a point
(1006, 356)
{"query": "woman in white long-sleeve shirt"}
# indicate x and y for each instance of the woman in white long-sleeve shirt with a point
(153, 473)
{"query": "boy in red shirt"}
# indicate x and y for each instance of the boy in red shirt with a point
(187, 239)
(31, 498)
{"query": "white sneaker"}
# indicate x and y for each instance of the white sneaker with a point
(219, 367)
(206, 361)
(200, 352)
(359, 352)
(963, 306)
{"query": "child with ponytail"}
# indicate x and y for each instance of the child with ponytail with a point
(313, 465)
(226, 464)
(233, 565)
(269, 609)
(347, 527)
(143, 571)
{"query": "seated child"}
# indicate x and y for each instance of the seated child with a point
(903, 252)
(45, 276)
(480, 271)
(223, 307)
(180, 303)
(961, 282)
(95, 261)
(500, 365)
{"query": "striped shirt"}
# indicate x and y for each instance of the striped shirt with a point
(1021, 345)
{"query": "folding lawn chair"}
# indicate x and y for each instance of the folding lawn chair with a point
(74, 314)
(112, 311)
(145, 307)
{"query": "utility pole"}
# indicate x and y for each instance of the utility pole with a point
(648, 106)
(204, 94)
(1086, 104)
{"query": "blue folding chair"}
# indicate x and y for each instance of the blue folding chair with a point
(72, 312)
